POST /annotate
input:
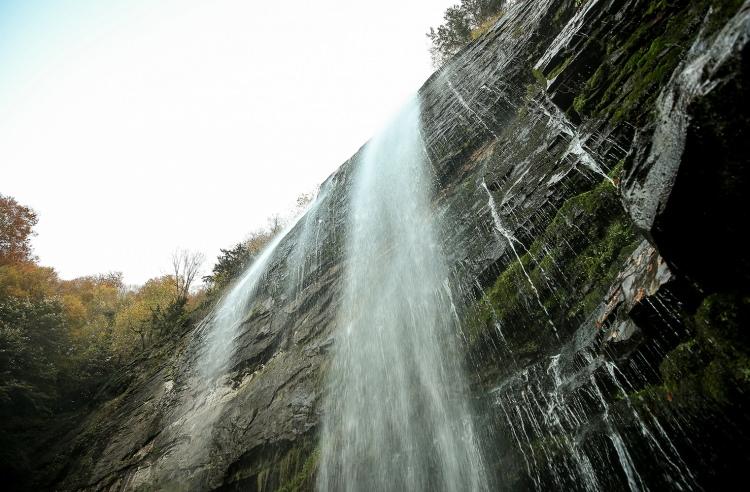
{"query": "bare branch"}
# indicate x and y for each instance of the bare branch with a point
(185, 267)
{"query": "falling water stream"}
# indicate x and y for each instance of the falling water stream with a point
(211, 381)
(395, 415)
(227, 318)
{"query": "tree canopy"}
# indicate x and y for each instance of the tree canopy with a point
(462, 23)
(16, 228)
(62, 341)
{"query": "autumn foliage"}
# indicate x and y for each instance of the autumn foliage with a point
(16, 227)
(61, 340)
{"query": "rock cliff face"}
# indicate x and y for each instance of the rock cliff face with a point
(589, 159)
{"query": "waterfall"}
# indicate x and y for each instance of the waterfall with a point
(395, 414)
(226, 320)
(210, 384)
(224, 324)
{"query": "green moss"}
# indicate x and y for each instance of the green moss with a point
(304, 478)
(684, 360)
(279, 468)
(546, 447)
(656, 6)
(591, 88)
(558, 69)
(712, 367)
(588, 240)
(560, 14)
(539, 77)
(720, 321)
(721, 13)
(640, 61)
(601, 261)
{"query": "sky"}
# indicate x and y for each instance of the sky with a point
(137, 127)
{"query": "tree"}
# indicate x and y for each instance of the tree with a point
(229, 264)
(451, 36)
(462, 23)
(16, 228)
(185, 267)
(62, 340)
(140, 320)
(33, 342)
(27, 280)
(304, 199)
(233, 261)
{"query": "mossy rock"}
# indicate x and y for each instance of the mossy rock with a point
(545, 293)
(641, 57)
(711, 369)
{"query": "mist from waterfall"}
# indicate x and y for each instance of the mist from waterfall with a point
(224, 323)
(395, 413)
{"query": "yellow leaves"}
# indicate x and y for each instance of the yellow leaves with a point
(16, 228)
(75, 311)
(27, 281)
(90, 320)
(137, 305)
(131, 320)
(98, 310)
(90, 305)
(196, 299)
(97, 293)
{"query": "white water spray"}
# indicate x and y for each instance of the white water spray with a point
(395, 416)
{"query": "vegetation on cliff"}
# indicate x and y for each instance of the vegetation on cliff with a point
(63, 341)
(462, 23)
(60, 340)
(233, 261)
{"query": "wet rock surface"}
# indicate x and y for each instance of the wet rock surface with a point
(589, 169)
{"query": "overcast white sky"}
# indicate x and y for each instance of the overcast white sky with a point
(136, 127)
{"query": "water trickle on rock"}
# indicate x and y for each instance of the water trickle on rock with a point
(511, 240)
(395, 413)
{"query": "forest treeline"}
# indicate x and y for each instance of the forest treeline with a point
(462, 23)
(62, 340)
